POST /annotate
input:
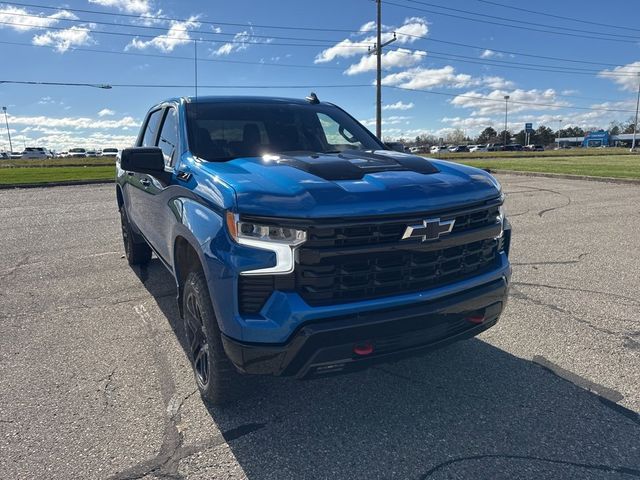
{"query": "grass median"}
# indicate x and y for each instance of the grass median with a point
(33, 175)
(614, 166)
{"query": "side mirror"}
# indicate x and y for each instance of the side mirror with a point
(146, 160)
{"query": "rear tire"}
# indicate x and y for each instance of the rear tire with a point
(217, 379)
(135, 248)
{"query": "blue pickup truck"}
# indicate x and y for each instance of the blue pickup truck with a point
(301, 245)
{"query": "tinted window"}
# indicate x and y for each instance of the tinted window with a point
(151, 131)
(223, 131)
(169, 137)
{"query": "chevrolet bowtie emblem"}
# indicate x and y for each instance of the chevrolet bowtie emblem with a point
(429, 229)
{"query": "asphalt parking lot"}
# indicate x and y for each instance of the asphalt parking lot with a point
(94, 382)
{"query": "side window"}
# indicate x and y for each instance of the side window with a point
(168, 141)
(151, 130)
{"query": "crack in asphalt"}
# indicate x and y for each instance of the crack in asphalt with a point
(165, 464)
(519, 295)
(634, 301)
(108, 388)
(548, 190)
(558, 262)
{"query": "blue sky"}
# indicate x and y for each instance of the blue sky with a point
(65, 45)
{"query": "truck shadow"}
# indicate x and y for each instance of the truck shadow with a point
(469, 411)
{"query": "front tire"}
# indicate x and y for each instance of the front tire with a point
(135, 248)
(217, 379)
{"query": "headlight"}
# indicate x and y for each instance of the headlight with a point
(283, 241)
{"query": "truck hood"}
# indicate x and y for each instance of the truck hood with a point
(350, 184)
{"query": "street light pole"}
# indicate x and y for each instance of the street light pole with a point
(506, 116)
(635, 123)
(379, 73)
(6, 121)
(558, 134)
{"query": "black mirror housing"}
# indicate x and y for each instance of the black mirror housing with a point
(146, 160)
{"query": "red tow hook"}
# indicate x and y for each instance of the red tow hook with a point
(363, 349)
(477, 319)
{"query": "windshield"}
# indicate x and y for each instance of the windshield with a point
(110, 150)
(77, 150)
(223, 131)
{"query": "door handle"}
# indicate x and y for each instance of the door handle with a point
(145, 182)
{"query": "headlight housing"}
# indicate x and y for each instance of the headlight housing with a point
(283, 241)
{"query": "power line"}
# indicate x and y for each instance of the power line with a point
(164, 29)
(404, 50)
(173, 19)
(517, 27)
(312, 86)
(186, 38)
(178, 57)
(494, 17)
(561, 17)
(294, 38)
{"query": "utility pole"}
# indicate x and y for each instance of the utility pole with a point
(506, 116)
(635, 123)
(6, 121)
(378, 51)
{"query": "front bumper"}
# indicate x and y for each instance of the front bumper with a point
(327, 346)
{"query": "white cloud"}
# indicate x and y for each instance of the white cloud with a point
(493, 102)
(420, 78)
(178, 34)
(348, 48)
(491, 54)
(129, 6)
(63, 40)
(626, 76)
(238, 44)
(399, 106)
(469, 123)
(22, 20)
(391, 59)
(106, 112)
(497, 82)
(74, 122)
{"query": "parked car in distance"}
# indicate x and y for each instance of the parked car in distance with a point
(16, 155)
(459, 149)
(4, 156)
(513, 147)
(63, 154)
(494, 147)
(418, 149)
(534, 148)
(109, 152)
(437, 149)
(78, 153)
(300, 245)
(92, 153)
(478, 148)
(35, 153)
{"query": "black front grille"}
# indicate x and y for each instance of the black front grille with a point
(345, 262)
(390, 230)
(364, 276)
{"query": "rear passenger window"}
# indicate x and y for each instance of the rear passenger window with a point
(151, 131)
(169, 137)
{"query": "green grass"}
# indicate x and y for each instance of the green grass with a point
(59, 162)
(573, 152)
(18, 176)
(615, 166)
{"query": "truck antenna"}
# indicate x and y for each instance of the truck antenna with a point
(313, 99)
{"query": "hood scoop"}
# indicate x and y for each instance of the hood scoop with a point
(355, 165)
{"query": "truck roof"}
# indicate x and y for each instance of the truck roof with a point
(239, 99)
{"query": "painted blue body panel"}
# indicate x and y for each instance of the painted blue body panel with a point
(194, 210)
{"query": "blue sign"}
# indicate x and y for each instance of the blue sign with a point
(598, 138)
(528, 127)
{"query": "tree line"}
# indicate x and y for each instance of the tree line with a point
(542, 135)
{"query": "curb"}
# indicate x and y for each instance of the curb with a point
(564, 176)
(55, 184)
